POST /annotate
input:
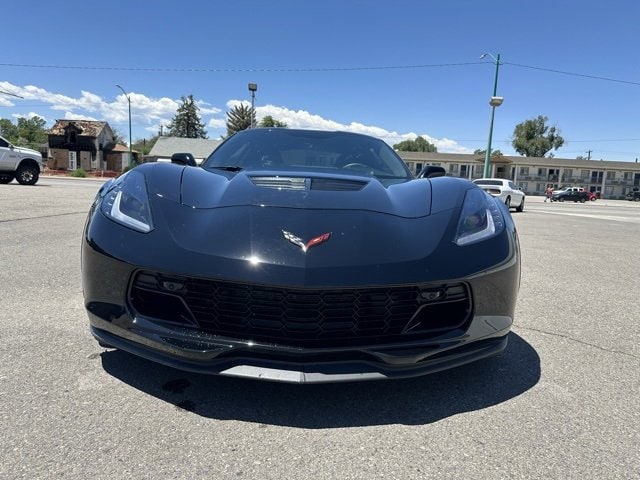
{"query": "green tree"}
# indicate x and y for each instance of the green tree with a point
(29, 132)
(144, 145)
(417, 145)
(8, 130)
(482, 153)
(118, 137)
(534, 138)
(239, 118)
(269, 121)
(186, 123)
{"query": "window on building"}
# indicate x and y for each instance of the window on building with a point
(453, 168)
(541, 187)
(584, 173)
(418, 167)
(597, 176)
(628, 175)
(542, 172)
(608, 190)
(524, 186)
(524, 170)
(611, 175)
(568, 173)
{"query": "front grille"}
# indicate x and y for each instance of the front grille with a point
(303, 317)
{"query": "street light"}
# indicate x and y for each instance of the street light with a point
(252, 88)
(130, 140)
(494, 102)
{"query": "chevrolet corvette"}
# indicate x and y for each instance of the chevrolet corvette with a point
(299, 256)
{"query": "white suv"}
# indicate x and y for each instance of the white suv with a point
(23, 164)
(504, 189)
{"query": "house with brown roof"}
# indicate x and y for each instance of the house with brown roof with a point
(85, 144)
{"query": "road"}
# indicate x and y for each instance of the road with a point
(562, 402)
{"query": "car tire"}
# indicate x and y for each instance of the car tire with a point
(561, 199)
(636, 199)
(582, 200)
(27, 175)
(520, 208)
(507, 202)
(6, 178)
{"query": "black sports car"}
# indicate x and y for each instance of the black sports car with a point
(300, 256)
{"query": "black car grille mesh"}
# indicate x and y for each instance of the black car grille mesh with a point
(303, 317)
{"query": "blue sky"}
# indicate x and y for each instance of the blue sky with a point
(317, 63)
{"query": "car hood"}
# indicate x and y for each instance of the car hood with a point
(202, 190)
(27, 151)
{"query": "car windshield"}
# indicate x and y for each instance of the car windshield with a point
(307, 150)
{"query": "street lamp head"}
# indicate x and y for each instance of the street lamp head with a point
(484, 55)
(253, 87)
(496, 101)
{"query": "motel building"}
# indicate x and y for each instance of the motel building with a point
(607, 179)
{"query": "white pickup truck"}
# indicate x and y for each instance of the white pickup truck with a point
(20, 163)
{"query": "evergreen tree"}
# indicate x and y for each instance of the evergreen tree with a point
(186, 123)
(239, 118)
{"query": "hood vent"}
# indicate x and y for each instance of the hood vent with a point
(336, 185)
(281, 183)
(301, 183)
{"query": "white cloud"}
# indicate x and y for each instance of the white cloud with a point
(77, 116)
(217, 123)
(28, 115)
(149, 113)
(305, 120)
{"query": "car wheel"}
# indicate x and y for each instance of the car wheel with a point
(520, 208)
(507, 202)
(561, 199)
(593, 199)
(27, 175)
(5, 178)
(582, 200)
(636, 199)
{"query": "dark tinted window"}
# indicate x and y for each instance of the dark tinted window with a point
(304, 150)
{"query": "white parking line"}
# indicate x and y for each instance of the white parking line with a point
(602, 217)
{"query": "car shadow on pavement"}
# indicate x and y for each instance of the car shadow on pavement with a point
(415, 401)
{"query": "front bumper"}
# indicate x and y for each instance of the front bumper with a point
(189, 351)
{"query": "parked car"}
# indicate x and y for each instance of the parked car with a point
(592, 196)
(505, 190)
(23, 164)
(300, 256)
(567, 189)
(634, 196)
(570, 195)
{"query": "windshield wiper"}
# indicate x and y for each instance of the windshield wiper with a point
(228, 168)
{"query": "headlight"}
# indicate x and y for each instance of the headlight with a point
(480, 218)
(127, 202)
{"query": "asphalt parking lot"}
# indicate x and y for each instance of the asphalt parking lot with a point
(562, 402)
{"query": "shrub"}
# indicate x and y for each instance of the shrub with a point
(79, 172)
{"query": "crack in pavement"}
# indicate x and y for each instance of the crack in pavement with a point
(43, 216)
(578, 341)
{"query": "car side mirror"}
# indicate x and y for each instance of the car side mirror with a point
(184, 159)
(431, 171)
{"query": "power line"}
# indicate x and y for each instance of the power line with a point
(307, 69)
(239, 70)
(594, 77)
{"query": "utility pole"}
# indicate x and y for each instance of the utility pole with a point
(589, 154)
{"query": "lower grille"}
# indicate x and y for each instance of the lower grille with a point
(303, 317)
